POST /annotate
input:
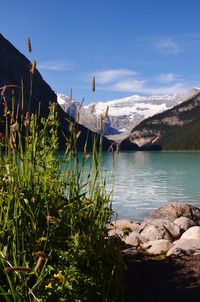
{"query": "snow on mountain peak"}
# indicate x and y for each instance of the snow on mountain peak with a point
(123, 114)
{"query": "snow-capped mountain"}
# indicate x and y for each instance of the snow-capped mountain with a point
(120, 116)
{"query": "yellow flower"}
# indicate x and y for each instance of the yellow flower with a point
(59, 276)
(49, 285)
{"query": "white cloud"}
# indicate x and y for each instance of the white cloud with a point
(131, 82)
(176, 88)
(167, 77)
(128, 85)
(110, 75)
(56, 65)
(168, 46)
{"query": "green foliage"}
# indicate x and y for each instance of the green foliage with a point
(53, 206)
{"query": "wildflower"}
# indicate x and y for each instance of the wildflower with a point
(59, 276)
(49, 285)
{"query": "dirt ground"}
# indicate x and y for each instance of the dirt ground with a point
(152, 279)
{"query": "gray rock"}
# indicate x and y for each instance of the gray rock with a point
(115, 232)
(159, 229)
(134, 239)
(192, 233)
(176, 210)
(183, 247)
(184, 223)
(157, 247)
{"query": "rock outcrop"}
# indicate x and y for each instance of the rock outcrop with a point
(172, 229)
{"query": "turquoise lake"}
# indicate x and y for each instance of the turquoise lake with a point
(146, 180)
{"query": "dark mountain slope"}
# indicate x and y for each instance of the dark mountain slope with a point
(14, 67)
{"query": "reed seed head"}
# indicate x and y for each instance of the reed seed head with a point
(29, 45)
(93, 84)
(33, 67)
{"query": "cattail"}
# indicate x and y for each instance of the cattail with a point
(29, 45)
(106, 113)
(20, 269)
(33, 67)
(41, 257)
(93, 84)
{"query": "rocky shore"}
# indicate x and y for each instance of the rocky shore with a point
(161, 254)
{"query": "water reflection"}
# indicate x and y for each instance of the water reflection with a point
(146, 180)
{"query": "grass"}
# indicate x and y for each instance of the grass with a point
(54, 244)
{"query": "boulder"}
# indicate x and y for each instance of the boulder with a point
(184, 223)
(157, 247)
(159, 229)
(134, 239)
(192, 233)
(115, 232)
(184, 246)
(176, 210)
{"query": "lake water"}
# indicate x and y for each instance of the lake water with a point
(146, 180)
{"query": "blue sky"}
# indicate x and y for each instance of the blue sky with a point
(130, 46)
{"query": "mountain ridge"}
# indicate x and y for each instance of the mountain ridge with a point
(120, 116)
(174, 129)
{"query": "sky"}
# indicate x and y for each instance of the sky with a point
(143, 47)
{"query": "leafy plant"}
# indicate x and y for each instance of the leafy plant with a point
(54, 208)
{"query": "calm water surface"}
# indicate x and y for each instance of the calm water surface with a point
(146, 180)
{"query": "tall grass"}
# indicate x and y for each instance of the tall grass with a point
(54, 244)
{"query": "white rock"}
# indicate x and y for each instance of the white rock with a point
(157, 247)
(184, 223)
(192, 233)
(184, 246)
(159, 229)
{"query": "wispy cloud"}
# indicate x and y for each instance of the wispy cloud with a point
(128, 81)
(168, 46)
(128, 85)
(167, 77)
(110, 75)
(56, 65)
